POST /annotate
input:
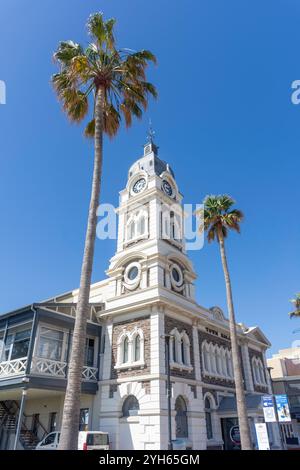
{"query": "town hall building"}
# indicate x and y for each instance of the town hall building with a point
(149, 292)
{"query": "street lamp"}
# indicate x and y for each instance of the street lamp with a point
(169, 389)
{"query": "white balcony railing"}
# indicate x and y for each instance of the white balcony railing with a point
(14, 367)
(89, 373)
(45, 366)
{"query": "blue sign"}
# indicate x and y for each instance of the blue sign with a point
(283, 409)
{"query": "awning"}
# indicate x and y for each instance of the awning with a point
(228, 404)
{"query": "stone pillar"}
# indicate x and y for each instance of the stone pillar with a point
(197, 360)
(106, 369)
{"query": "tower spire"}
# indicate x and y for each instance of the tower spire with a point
(150, 133)
(150, 146)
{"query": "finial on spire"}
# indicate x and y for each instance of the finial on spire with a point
(150, 133)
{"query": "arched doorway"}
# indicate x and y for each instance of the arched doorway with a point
(181, 418)
(129, 431)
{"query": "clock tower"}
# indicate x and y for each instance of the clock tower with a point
(151, 246)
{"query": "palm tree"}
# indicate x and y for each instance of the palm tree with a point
(296, 302)
(113, 82)
(218, 219)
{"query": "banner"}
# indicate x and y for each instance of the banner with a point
(262, 436)
(268, 408)
(283, 410)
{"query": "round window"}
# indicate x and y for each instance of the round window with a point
(175, 275)
(132, 273)
(177, 280)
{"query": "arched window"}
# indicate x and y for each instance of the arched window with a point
(213, 360)
(218, 361)
(131, 230)
(130, 406)
(206, 358)
(125, 349)
(130, 349)
(208, 418)
(185, 349)
(258, 371)
(183, 358)
(181, 417)
(174, 349)
(137, 348)
(175, 346)
(141, 225)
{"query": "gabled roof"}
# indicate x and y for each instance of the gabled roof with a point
(256, 333)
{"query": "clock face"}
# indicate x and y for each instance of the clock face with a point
(139, 185)
(167, 188)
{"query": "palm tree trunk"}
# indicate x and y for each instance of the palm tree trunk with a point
(71, 411)
(236, 362)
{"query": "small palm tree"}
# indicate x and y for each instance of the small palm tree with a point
(218, 219)
(296, 303)
(113, 82)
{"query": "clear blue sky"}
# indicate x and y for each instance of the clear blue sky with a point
(224, 121)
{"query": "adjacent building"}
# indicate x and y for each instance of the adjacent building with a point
(149, 292)
(285, 372)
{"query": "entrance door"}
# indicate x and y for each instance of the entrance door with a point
(231, 433)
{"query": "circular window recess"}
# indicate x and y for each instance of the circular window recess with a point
(176, 277)
(132, 275)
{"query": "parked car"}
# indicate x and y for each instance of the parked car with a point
(87, 440)
(50, 442)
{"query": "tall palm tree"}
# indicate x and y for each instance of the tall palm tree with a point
(218, 219)
(296, 302)
(113, 82)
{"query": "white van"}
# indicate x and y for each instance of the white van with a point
(87, 440)
(93, 440)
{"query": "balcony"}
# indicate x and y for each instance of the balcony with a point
(42, 367)
(36, 344)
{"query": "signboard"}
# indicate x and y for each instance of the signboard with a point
(262, 436)
(269, 410)
(283, 410)
(234, 435)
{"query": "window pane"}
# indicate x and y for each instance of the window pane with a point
(20, 349)
(89, 352)
(137, 353)
(84, 419)
(125, 351)
(50, 345)
(182, 352)
(174, 350)
(209, 432)
(97, 439)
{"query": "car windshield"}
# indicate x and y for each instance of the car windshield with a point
(97, 439)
